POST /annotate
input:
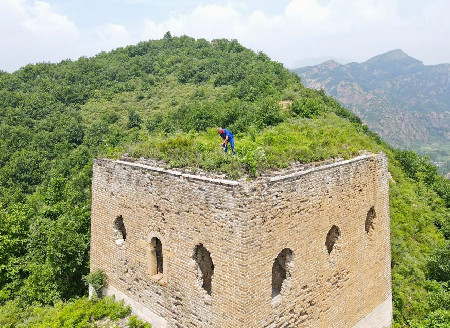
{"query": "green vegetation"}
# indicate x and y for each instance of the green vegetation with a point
(97, 280)
(163, 99)
(135, 322)
(305, 140)
(81, 313)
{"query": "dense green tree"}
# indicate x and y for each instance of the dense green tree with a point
(439, 264)
(134, 120)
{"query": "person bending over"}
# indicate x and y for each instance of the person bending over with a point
(227, 137)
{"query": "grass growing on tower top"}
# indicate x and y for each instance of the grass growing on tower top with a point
(258, 150)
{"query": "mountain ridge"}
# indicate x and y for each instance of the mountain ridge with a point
(405, 101)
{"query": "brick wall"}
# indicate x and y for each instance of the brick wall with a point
(334, 289)
(244, 225)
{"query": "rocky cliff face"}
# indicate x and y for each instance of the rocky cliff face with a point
(405, 101)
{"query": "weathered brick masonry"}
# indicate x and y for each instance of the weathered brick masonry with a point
(309, 248)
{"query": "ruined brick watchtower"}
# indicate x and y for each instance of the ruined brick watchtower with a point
(306, 247)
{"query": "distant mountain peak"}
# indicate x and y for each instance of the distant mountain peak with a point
(395, 54)
(392, 56)
(330, 64)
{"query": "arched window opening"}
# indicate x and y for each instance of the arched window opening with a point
(156, 264)
(281, 270)
(332, 237)
(205, 267)
(369, 219)
(119, 228)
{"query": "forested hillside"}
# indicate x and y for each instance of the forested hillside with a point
(163, 99)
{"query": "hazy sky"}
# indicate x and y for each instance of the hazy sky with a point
(290, 31)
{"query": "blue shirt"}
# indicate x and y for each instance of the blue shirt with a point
(227, 134)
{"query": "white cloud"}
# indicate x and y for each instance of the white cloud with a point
(32, 31)
(208, 21)
(306, 12)
(153, 31)
(41, 20)
(137, 1)
(355, 29)
(112, 36)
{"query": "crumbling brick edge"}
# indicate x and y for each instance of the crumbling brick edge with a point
(276, 178)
